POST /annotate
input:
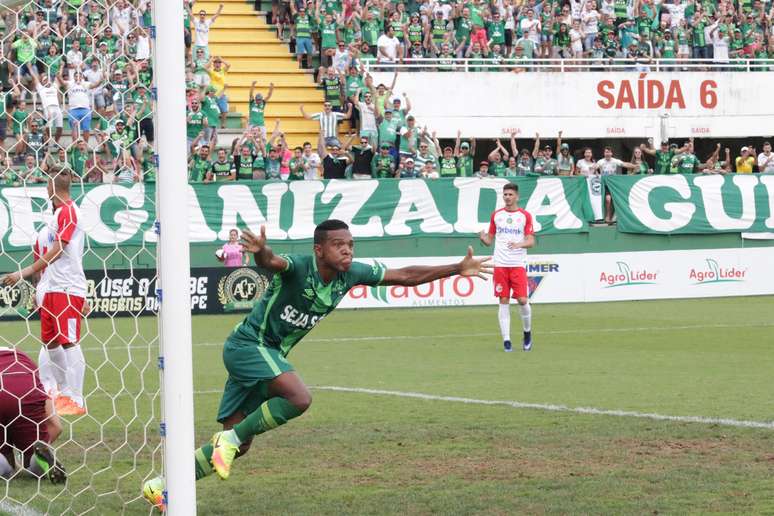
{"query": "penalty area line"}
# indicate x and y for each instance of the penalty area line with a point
(556, 408)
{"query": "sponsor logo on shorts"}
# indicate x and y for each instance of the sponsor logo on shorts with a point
(713, 272)
(626, 276)
(241, 288)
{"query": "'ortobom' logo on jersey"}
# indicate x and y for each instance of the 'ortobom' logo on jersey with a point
(17, 299)
(240, 289)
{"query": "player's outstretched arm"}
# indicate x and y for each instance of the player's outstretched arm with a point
(419, 274)
(38, 265)
(264, 256)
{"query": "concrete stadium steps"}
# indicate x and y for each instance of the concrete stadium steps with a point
(236, 7)
(284, 79)
(243, 38)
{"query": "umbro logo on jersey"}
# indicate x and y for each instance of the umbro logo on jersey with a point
(308, 293)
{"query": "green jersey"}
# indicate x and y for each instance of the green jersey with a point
(699, 40)
(415, 32)
(211, 110)
(296, 166)
(496, 32)
(77, 161)
(303, 26)
(149, 170)
(256, 113)
(497, 169)
(465, 166)
(195, 124)
(296, 300)
(19, 117)
(198, 168)
(222, 169)
(328, 34)
(663, 162)
(687, 164)
(462, 28)
(9, 178)
(244, 167)
(25, 49)
(620, 9)
(388, 131)
(448, 167)
(438, 31)
(332, 88)
(369, 29)
(382, 166)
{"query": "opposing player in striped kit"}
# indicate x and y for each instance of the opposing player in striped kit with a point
(510, 228)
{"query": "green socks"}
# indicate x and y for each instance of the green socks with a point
(271, 414)
(202, 461)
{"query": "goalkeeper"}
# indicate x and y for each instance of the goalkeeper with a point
(263, 391)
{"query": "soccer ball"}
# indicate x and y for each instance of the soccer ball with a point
(219, 254)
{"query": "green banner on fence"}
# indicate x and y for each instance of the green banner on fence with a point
(699, 203)
(124, 214)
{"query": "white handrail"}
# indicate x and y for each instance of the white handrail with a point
(581, 64)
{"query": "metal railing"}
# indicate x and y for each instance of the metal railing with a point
(570, 65)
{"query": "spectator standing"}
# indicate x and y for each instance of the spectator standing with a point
(196, 122)
(389, 47)
(383, 164)
(565, 164)
(218, 69)
(408, 140)
(745, 162)
(608, 166)
(333, 88)
(231, 253)
(464, 153)
(334, 162)
(296, 165)
(201, 26)
(79, 105)
(524, 160)
(257, 107)
(686, 162)
(362, 157)
(586, 166)
(329, 121)
(312, 163)
(222, 168)
(766, 159)
(367, 110)
(199, 164)
(408, 170)
(49, 99)
(303, 23)
(498, 159)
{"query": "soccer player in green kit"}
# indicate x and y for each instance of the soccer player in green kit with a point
(263, 391)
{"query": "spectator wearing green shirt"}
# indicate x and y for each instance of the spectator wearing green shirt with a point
(464, 153)
(222, 169)
(25, 46)
(664, 155)
(257, 107)
(388, 131)
(199, 165)
(498, 159)
(303, 34)
(196, 121)
(686, 162)
(329, 36)
(383, 164)
(77, 157)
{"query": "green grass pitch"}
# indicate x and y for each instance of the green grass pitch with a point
(366, 453)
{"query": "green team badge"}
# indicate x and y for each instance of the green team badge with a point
(17, 299)
(240, 289)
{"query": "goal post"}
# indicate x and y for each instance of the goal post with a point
(175, 357)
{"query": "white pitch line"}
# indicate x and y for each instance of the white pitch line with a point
(17, 509)
(471, 335)
(543, 406)
(556, 408)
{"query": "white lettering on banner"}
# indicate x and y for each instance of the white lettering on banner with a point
(23, 216)
(304, 195)
(129, 221)
(354, 195)
(416, 203)
(553, 191)
(238, 200)
(682, 212)
(198, 229)
(712, 199)
(468, 201)
(768, 182)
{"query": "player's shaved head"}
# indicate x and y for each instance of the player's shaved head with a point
(322, 229)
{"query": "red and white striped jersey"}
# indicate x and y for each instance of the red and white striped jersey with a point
(510, 226)
(66, 273)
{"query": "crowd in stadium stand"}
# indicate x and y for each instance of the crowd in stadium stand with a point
(83, 65)
(523, 30)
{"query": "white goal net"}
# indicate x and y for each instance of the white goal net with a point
(77, 98)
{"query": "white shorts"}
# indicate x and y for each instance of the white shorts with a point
(54, 117)
(684, 50)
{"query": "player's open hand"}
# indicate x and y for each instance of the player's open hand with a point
(11, 279)
(470, 266)
(252, 243)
